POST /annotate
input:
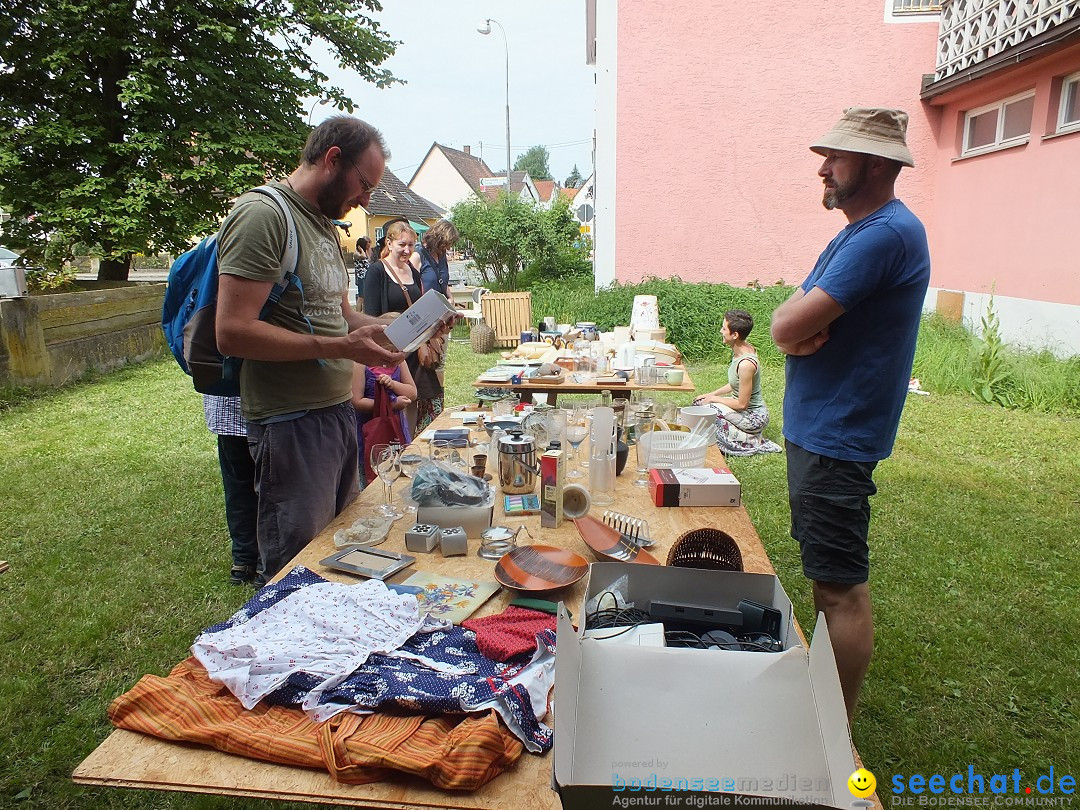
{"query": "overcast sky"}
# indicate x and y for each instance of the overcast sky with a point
(456, 87)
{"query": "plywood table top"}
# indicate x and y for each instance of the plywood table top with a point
(128, 759)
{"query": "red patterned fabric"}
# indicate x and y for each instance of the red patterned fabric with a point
(512, 632)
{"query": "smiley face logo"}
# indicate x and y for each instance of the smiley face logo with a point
(862, 783)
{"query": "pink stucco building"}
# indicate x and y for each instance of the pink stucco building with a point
(705, 111)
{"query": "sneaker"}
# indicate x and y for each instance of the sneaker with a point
(241, 575)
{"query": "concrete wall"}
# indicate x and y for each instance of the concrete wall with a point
(52, 338)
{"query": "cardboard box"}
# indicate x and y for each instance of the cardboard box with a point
(701, 486)
(473, 519)
(680, 727)
(551, 489)
(421, 321)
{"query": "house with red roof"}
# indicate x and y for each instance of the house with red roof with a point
(447, 176)
(547, 192)
(390, 199)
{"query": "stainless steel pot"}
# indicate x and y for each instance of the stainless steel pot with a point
(517, 463)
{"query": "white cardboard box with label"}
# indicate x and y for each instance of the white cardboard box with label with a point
(698, 727)
(698, 486)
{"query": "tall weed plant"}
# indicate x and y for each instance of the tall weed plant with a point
(992, 374)
(950, 360)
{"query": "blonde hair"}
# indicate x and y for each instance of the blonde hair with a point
(392, 233)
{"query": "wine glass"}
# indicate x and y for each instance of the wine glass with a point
(384, 459)
(409, 461)
(575, 434)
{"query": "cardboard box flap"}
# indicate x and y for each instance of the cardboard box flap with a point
(565, 703)
(831, 711)
(634, 705)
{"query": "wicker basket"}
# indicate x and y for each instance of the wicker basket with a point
(707, 548)
(482, 338)
(668, 448)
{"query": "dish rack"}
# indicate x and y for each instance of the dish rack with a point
(672, 448)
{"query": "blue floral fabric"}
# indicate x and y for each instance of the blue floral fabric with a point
(383, 682)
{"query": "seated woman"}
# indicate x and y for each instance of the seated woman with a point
(741, 411)
(399, 384)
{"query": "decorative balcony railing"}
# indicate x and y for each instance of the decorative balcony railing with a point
(974, 30)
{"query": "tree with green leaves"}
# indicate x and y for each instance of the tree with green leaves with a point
(128, 127)
(535, 162)
(574, 180)
(508, 236)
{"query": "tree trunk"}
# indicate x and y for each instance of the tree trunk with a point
(114, 269)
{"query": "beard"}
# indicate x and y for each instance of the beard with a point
(842, 192)
(331, 198)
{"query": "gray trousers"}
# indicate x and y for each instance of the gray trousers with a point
(305, 474)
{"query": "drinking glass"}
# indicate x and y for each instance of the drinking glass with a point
(439, 450)
(641, 425)
(502, 408)
(575, 435)
(557, 420)
(384, 460)
(409, 461)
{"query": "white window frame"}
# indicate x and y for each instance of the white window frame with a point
(910, 15)
(1064, 126)
(999, 142)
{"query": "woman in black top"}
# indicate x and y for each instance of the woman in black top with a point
(392, 285)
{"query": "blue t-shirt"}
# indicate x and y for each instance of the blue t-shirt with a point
(844, 401)
(434, 275)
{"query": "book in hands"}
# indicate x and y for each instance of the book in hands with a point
(421, 322)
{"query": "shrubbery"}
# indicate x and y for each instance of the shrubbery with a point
(947, 357)
(692, 312)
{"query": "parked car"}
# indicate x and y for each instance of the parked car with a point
(7, 257)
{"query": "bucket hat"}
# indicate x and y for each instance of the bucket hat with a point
(870, 131)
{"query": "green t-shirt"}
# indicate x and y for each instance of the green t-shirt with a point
(250, 243)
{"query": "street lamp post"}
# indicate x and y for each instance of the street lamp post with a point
(485, 29)
(319, 102)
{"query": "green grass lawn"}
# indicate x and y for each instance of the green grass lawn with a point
(111, 518)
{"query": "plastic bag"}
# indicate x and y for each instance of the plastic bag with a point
(438, 484)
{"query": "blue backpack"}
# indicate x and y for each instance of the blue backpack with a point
(188, 316)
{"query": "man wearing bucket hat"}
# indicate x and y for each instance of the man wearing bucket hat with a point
(849, 332)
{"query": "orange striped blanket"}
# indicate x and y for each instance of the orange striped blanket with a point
(454, 752)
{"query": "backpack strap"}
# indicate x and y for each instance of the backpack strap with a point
(290, 258)
(290, 261)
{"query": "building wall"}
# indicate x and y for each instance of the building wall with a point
(1008, 219)
(605, 143)
(439, 182)
(715, 108)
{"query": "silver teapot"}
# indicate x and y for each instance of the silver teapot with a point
(517, 463)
